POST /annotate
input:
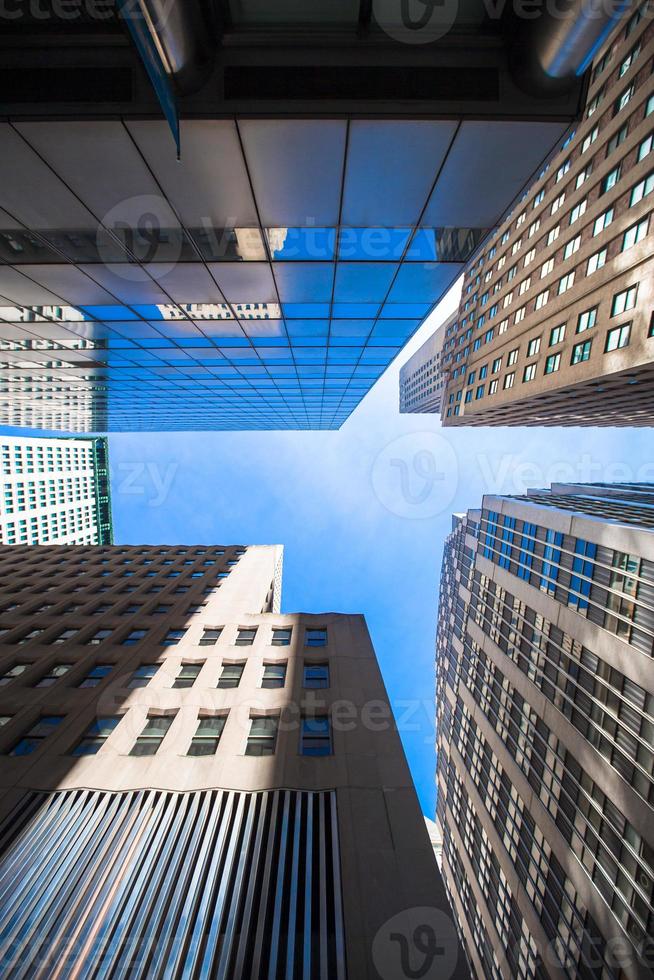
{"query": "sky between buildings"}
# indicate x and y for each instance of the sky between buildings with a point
(362, 513)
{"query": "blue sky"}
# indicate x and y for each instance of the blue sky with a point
(362, 513)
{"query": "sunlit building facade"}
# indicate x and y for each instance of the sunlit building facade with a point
(54, 491)
(194, 783)
(546, 731)
(422, 380)
(556, 318)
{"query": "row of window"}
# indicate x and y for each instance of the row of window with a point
(313, 636)
(315, 735)
(316, 675)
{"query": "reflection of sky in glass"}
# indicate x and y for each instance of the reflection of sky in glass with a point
(302, 363)
(295, 343)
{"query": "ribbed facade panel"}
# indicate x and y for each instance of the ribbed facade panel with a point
(155, 884)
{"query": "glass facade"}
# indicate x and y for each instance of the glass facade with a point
(264, 282)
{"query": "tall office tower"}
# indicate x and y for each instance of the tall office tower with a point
(195, 784)
(555, 322)
(421, 379)
(335, 174)
(55, 491)
(546, 732)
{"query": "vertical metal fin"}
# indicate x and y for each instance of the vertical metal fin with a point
(181, 886)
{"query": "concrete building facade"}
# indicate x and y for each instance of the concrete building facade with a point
(195, 783)
(421, 378)
(55, 491)
(546, 732)
(555, 321)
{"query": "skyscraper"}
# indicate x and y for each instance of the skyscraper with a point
(421, 379)
(198, 784)
(555, 321)
(546, 731)
(335, 175)
(55, 491)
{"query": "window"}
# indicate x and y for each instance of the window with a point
(96, 675)
(210, 636)
(33, 738)
(581, 352)
(173, 637)
(623, 99)
(497, 364)
(643, 189)
(558, 203)
(577, 211)
(587, 320)
(572, 247)
(542, 299)
(315, 637)
(562, 171)
(230, 675)
(143, 675)
(596, 261)
(96, 735)
(263, 736)
(617, 139)
(281, 636)
(557, 334)
(624, 301)
(13, 673)
(188, 674)
(529, 373)
(316, 675)
(533, 347)
(315, 736)
(592, 136)
(509, 379)
(629, 60)
(99, 636)
(492, 388)
(552, 363)
(207, 735)
(152, 735)
(245, 637)
(161, 609)
(64, 636)
(135, 636)
(512, 356)
(553, 234)
(53, 675)
(274, 675)
(602, 222)
(479, 392)
(634, 234)
(617, 338)
(610, 180)
(645, 147)
(196, 607)
(582, 177)
(129, 610)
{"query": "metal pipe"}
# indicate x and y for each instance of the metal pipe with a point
(550, 49)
